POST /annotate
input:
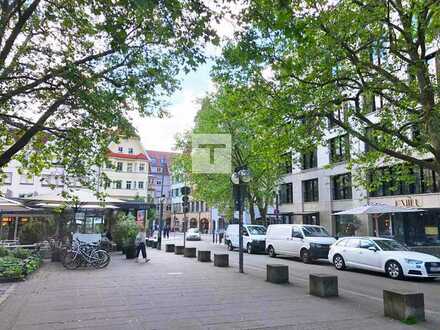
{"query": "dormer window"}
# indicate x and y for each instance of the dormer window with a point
(130, 151)
(120, 149)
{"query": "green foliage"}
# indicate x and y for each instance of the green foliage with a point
(32, 264)
(21, 253)
(307, 62)
(410, 320)
(3, 252)
(235, 111)
(92, 64)
(125, 230)
(11, 268)
(32, 232)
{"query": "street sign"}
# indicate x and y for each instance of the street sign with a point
(185, 190)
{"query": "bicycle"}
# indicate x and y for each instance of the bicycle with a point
(85, 254)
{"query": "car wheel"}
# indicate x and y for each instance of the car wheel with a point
(230, 247)
(394, 270)
(305, 256)
(339, 262)
(249, 248)
(271, 252)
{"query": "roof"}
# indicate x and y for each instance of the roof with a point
(158, 155)
(127, 156)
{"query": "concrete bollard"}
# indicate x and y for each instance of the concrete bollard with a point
(169, 247)
(323, 285)
(221, 260)
(189, 252)
(276, 273)
(204, 256)
(402, 305)
(178, 249)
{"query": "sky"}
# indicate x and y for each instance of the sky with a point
(159, 133)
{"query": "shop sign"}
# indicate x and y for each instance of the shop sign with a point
(408, 202)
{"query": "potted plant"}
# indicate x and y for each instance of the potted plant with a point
(125, 234)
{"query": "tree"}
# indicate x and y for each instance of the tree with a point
(337, 62)
(227, 111)
(72, 71)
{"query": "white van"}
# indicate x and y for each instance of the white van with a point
(308, 242)
(253, 237)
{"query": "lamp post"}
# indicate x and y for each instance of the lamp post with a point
(159, 236)
(240, 178)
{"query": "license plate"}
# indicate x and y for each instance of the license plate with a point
(435, 269)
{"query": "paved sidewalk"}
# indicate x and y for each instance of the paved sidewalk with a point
(173, 292)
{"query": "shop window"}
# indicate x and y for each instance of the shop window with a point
(346, 225)
(310, 190)
(341, 185)
(311, 219)
(339, 148)
(309, 160)
(286, 193)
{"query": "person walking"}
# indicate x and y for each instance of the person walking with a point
(140, 245)
(168, 231)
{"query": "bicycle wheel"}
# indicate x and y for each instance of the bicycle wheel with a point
(101, 259)
(71, 260)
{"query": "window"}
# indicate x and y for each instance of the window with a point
(128, 185)
(134, 185)
(119, 166)
(118, 184)
(346, 225)
(366, 244)
(141, 167)
(159, 169)
(310, 190)
(311, 219)
(46, 180)
(26, 179)
(129, 167)
(286, 194)
(130, 151)
(342, 186)
(339, 148)
(108, 165)
(158, 182)
(430, 181)
(141, 185)
(120, 149)
(6, 178)
(309, 160)
(287, 163)
(353, 243)
(339, 115)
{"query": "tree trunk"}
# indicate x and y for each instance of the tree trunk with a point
(251, 210)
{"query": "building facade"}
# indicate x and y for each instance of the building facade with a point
(200, 215)
(320, 184)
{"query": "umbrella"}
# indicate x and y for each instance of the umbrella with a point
(85, 206)
(377, 208)
(9, 205)
(82, 195)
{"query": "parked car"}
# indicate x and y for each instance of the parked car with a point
(309, 242)
(383, 255)
(193, 234)
(254, 237)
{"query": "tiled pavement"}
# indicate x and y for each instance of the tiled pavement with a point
(173, 292)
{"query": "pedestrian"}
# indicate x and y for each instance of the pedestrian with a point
(140, 245)
(168, 231)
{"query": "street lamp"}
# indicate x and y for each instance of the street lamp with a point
(240, 178)
(159, 236)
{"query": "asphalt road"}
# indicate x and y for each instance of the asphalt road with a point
(365, 287)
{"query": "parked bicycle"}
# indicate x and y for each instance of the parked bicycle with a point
(85, 254)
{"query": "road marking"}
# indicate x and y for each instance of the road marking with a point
(177, 273)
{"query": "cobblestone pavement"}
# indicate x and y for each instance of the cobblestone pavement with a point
(173, 292)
